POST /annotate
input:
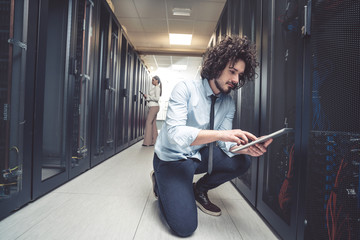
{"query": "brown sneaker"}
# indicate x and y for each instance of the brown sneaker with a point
(152, 176)
(203, 202)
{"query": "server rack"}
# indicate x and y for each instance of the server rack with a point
(15, 61)
(123, 112)
(135, 95)
(281, 101)
(51, 150)
(67, 60)
(330, 203)
(103, 145)
(248, 23)
(308, 181)
(81, 77)
(130, 91)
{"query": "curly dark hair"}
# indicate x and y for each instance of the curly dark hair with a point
(231, 49)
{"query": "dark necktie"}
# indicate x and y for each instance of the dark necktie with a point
(211, 145)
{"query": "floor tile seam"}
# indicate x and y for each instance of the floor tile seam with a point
(232, 220)
(101, 195)
(142, 213)
(43, 219)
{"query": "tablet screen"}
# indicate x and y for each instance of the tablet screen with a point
(264, 138)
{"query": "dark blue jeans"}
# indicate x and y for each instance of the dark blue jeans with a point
(174, 185)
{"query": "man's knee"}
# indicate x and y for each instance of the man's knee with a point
(185, 228)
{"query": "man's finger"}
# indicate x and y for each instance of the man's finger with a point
(267, 143)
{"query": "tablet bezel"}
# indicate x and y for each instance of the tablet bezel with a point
(263, 139)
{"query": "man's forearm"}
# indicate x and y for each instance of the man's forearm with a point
(206, 136)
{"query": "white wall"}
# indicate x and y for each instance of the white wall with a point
(169, 78)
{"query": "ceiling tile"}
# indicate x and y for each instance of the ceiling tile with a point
(153, 8)
(181, 26)
(204, 27)
(200, 41)
(209, 11)
(154, 25)
(124, 8)
(179, 60)
(131, 24)
(152, 40)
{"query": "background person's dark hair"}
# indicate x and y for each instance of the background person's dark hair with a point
(230, 49)
(160, 85)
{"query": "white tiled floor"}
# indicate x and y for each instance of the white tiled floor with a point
(114, 201)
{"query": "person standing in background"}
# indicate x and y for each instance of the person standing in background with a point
(152, 98)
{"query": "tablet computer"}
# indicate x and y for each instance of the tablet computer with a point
(263, 139)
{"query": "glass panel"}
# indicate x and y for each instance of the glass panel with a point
(100, 96)
(54, 117)
(12, 91)
(280, 107)
(82, 83)
(110, 92)
(122, 116)
(333, 189)
(129, 84)
(133, 97)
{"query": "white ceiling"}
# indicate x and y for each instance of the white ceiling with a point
(148, 23)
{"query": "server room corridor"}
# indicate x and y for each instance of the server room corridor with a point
(114, 200)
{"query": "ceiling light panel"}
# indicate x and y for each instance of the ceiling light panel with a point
(185, 12)
(180, 39)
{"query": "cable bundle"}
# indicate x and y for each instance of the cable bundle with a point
(284, 194)
(334, 210)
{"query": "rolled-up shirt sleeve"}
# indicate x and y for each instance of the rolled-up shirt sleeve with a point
(177, 117)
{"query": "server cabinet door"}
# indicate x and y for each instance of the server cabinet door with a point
(51, 148)
(15, 160)
(110, 93)
(137, 100)
(130, 91)
(104, 93)
(332, 134)
(133, 93)
(245, 22)
(81, 77)
(142, 103)
(281, 87)
(122, 114)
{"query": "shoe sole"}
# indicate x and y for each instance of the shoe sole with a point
(216, 214)
(153, 184)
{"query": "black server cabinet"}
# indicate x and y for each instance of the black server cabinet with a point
(51, 122)
(81, 78)
(135, 95)
(138, 105)
(17, 21)
(122, 116)
(142, 102)
(331, 186)
(281, 94)
(247, 23)
(130, 91)
(104, 93)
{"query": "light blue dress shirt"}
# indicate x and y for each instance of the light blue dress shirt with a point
(188, 113)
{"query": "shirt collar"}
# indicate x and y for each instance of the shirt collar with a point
(208, 89)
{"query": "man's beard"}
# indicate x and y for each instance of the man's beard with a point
(222, 90)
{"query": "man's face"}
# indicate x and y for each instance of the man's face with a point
(229, 77)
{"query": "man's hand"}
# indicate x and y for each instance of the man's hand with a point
(236, 135)
(257, 149)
